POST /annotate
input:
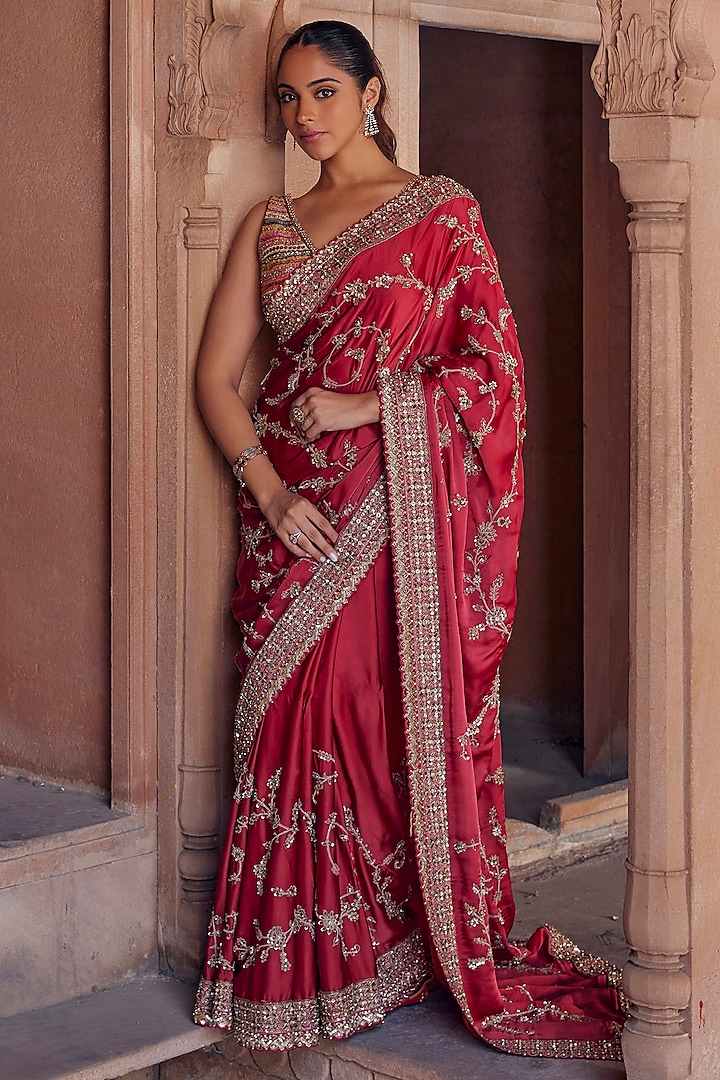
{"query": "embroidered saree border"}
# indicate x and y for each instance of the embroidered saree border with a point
(603, 1050)
(336, 1014)
(305, 620)
(412, 515)
(307, 285)
(587, 963)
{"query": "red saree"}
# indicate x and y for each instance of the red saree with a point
(366, 849)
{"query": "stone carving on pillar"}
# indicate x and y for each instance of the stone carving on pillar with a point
(203, 88)
(286, 19)
(653, 65)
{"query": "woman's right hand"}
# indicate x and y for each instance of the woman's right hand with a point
(289, 514)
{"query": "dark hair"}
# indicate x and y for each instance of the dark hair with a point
(349, 50)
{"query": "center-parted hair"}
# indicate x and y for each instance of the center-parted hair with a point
(348, 49)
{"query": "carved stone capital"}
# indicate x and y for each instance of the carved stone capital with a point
(203, 91)
(653, 60)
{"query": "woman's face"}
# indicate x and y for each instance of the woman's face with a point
(321, 105)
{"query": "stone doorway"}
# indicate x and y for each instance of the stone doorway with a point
(518, 121)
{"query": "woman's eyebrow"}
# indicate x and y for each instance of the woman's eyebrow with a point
(315, 82)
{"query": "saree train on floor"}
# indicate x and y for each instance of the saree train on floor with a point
(366, 847)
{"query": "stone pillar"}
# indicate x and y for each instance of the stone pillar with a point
(200, 703)
(651, 155)
(216, 157)
(395, 38)
(652, 71)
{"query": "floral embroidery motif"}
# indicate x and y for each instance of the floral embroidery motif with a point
(264, 808)
(336, 830)
(275, 940)
(490, 705)
(398, 972)
(470, 234)
(496, 777)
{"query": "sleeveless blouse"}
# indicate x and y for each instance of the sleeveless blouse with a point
(282, 248)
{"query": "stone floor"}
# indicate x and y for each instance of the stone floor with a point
(584, 900)
(542, 758)
(33, 808)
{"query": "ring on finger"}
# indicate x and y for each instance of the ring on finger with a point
(294, 537)
(298, 416)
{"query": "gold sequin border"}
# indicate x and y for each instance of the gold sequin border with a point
(601, 1050)
(304, 621)
(293, 303)
(587, 963)
(403, 417)
(336, 1014)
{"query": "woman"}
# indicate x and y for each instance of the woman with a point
(381, 498)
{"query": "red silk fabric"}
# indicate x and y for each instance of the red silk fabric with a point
(366, 848)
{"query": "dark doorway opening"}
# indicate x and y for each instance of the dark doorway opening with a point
(517, 121)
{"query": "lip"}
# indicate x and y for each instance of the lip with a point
(311, 136)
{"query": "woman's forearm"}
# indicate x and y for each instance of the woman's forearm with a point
(371, 404)
(230, 424)
(327, 410)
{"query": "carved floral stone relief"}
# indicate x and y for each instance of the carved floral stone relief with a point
(203, 92)
(653, 60)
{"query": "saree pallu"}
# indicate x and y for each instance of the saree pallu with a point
(366, 849)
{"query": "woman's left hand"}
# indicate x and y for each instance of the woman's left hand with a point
(324, 410)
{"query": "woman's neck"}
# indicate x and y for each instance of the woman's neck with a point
(345, 170)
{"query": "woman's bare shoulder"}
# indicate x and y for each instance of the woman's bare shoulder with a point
(245, 242)
(249, 228)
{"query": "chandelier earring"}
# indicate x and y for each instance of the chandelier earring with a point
(371, 124)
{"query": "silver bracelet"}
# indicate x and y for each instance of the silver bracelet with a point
(241, 461)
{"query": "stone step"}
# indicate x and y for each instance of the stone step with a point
(420, 1042)
(584, 824)
(587, 811)
(104, 1035)
(120, 1031)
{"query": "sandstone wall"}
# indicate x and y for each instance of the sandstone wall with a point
(54, 393)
